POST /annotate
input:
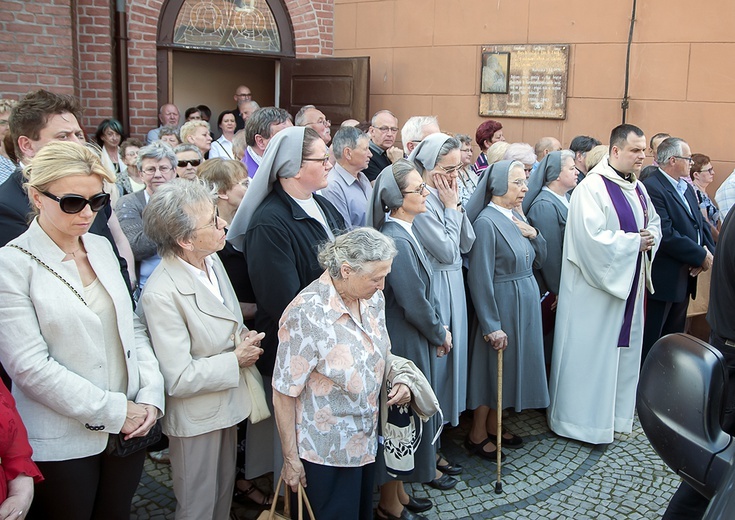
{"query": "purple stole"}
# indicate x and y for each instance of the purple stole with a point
(629, 225)
(250, 163)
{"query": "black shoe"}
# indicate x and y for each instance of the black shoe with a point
(516, 441)
(382, 514)
(449, 468)
(478, 449)
(444, 482)
(418, 505)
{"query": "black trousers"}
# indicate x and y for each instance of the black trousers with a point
(337, 493)
(687, 503)
(662, 318)
(100, 487)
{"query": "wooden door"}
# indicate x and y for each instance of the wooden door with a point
(339, 87)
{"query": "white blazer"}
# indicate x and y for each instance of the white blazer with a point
(194, 336)
(51, 345)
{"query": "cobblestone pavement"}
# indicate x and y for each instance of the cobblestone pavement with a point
(548, 478)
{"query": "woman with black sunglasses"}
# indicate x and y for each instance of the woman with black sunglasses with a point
(82, 366)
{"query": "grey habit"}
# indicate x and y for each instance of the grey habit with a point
(548, 214)
(411, 315)
(506, 297)
(446, 234)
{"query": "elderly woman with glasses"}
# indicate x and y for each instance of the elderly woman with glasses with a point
(206, 353)
(508, 312)
(412, 318)
(157, 165)
(278, 227)
(445, 233)
(81, 363)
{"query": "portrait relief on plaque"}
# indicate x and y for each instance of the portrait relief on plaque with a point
(524, 81)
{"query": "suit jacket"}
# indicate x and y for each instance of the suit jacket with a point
(194, 336)
(680, 248)
(377, 162)
(51, 344)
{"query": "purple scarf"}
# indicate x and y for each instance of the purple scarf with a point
(629, 225)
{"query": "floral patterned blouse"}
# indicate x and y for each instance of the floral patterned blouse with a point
(334, 367)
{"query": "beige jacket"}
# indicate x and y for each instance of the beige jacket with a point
(194, 336)
(51, 344)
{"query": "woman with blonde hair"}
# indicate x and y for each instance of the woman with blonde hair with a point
(86, 378)
(196, 132)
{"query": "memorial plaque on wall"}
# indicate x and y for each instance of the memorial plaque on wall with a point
(524, 81)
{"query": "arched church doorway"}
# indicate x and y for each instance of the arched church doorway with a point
(206, 48)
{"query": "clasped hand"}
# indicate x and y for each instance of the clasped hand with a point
(248, 351)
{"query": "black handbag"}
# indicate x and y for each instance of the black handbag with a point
(119, 447)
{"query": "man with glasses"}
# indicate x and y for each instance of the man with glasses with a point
(157, 165)
(686, 243)
(612, 234)
(242, 94)
(311, 116)
(383, 132)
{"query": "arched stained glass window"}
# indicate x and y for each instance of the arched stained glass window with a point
(243, 25)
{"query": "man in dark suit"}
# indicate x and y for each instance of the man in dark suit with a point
(686, 244)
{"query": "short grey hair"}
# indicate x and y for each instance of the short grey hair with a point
(157, 150)
(413, 128)
(522, 152)
(168, 216)
(169, 130)
(464, 139)
(567, 154)
(260, 122)
(347, 137)
(250, 102)
(356, 248)
(186, 147)
(300, 119)
(668, 148)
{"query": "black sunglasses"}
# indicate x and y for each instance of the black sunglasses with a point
(193, 162)
(75, 203)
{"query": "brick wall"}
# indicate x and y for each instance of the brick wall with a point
(94, 61)
(41, 48)
(36, 43)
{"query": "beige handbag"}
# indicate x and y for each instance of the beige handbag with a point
(286, 515)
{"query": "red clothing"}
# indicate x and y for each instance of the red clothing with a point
(15, 452)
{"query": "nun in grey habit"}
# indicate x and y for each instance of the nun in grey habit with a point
(445, 233)
(546, 207)
(508, 312)
(411, 312)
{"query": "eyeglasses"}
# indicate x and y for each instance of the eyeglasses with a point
(708, 170)
(386, 129)
(519, 182)
(323, 160)
(687, 159)
(249, 94)
(450, 169)
(162, 169)
(215, 221)
(419, 190)
(192, 162)
(325, 122)
(75, 203)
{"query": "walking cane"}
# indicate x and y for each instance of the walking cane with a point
(499, 433)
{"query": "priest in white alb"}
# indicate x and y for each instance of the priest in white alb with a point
(611, 238)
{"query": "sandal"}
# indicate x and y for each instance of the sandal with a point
(448, 468)
(242, 494)
(479, 450)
